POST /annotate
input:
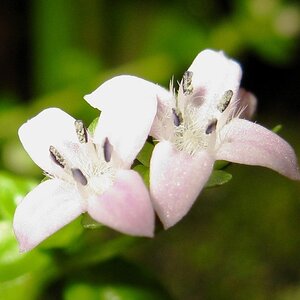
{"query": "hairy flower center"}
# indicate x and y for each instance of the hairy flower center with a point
(86, 165)
(196, 124)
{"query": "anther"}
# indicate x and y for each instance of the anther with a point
(81, 132)
(211, 126)
(56, 157)
(79, 177)
(107, 150)
(187, 83)
(225, 100)
(177, 117)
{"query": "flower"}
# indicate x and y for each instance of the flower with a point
(87, 174)
(202, 124)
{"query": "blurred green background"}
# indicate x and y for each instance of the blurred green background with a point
(240, 241)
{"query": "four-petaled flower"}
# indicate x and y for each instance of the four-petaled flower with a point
(204, 123)
(87, 174)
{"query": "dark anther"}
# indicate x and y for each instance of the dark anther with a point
(79, 177)
(211, 126)
(177, 117)
(187, 83)
(81, 132)
(56, 157)
(107, 149)
(223, 104)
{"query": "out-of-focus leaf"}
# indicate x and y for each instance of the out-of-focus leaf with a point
(221, 164)
(111, 292)
(144, 172)
(277, 128)
(12, 189)
(218, 177)
(115, 279)
(12, 263)
(81, 291)
(64, 237)
(20, 274)
(93, 125)
(145, 154)
(100, 250)
(89, 223)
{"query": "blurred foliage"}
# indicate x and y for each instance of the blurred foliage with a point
(240, 241)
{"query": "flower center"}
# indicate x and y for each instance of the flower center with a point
(85, 164)
(195, 119)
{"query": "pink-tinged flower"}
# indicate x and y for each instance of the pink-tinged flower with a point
(201, 124)
(87, 174)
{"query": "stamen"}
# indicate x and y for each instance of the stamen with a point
(211, 126)
(107, 149)
(79, 177)
(187, 83)
(56, 157)
(177, 118)
(225, 100)
(81, 132)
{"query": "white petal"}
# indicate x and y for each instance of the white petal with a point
(176, 179)
(128, 107)
(163, 124)
(46, 209)
(50, 127)
(249, 143)
(247, 103)
(125, 206)
(213, 74)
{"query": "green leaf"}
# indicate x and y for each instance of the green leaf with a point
(221, 164)
(64, 237)
(109, 292)
(217, 178)
(277, 128)
(93, 125)
(98, 249)
(144, 172)
(89, 223)
(145, 154)
(20, 274)
(115, 279)
(12, 190)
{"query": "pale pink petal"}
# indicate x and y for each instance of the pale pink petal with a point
(50, 206)
(163, 123)
(50, 127)
(176, 179)
(213, 74)
(247, 103)
(244, 142)
(128, 107)
(125, 206)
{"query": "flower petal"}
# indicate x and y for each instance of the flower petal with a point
(50, 206)
(247, 103)
(50, 127)
(128, 107)
(249, 143)
(163, 123)
(176, 179)
(213, 74)
(125, 206)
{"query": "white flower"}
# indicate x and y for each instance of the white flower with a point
(203, 124)
(87, 174)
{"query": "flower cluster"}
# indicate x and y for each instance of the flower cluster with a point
(205, 121)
